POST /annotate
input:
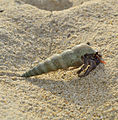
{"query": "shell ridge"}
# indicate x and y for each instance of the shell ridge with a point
(62, 62)
(50, 65)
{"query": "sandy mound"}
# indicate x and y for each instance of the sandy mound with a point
(31, 31)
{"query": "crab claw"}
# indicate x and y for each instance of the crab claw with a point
(102, 61)
(99, 58)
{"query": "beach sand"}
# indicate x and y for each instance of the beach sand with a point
(30, 32)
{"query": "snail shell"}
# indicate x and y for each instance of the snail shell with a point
(68, 58)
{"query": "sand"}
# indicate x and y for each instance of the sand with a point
(31, 32)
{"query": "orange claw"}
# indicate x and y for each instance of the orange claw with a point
(101, 60)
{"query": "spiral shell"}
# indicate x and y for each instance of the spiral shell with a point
(68, 58)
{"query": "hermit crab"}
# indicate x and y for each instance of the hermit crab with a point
(80, 55)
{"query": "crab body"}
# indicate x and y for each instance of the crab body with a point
(68, 58)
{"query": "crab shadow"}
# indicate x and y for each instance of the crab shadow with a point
(91, 89)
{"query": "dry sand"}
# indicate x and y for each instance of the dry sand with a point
(31, 32)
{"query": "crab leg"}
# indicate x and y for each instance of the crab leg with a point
(91, 67)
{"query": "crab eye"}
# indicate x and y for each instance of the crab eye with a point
(88, 43)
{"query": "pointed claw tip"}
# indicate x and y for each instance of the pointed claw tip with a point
(102, 61)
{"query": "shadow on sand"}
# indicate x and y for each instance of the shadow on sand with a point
(50, 5)
(89, 90)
